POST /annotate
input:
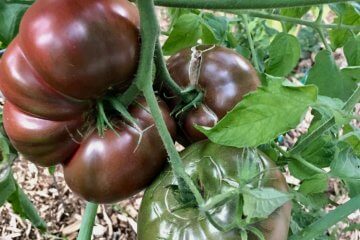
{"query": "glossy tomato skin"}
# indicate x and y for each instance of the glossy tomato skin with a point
(117, 165)
(73, 44)
(24, 87)
(44, 142)
(224, 77)
(208, 163)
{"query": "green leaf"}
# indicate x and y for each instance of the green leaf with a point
(320, 152)
(10, 17)
(353, 186)
(346, 164)
(7, 184)
(296, 12)
(208, 36)
(316, 184)
(284, 54)
(352, 51)
(352, 73)
(348, 16)
(326, 75)
(186, 32)
(219, 26)
(260, 203)
(277, 105)
(300, 171)
(353, 139)
(24, 207)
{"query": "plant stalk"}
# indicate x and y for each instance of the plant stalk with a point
(240, 4)
(280, 18)
(149, 33)
(320, 226)
(87, 223)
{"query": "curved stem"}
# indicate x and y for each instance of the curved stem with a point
(323, 39)
(130, 95)
(251, 43)
(349, 105)
(149, 33)
(307, 164)
(240, 4)
(281, 18)
(87, 223)
(317, 228)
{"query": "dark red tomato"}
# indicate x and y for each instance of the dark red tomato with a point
(73, 44)
(117, 165)
(25, 88)
(213, 167)
(44, 142)
(221, 74)
(68, 53)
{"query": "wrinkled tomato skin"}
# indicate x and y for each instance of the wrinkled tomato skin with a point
(224, 78)
(44, 142)
(117, 165)
(83, 47)
(208, 164)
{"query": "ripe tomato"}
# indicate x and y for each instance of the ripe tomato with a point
(68, 53)
(220, 73)
(44, 142)
(115, 166)
(213, 167)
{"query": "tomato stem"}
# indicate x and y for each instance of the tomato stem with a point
(251, 43)
(87, 223)
(348, 106)
(280, 18)
(244, 4)
(149, 33)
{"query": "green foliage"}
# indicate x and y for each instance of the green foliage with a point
(352, 51)
(326, 75)
(297, 12)
(347, 14)
(281, 63)
(260, 203)
(10, 16)
(259, 110)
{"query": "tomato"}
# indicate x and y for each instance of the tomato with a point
(213, 167)
(119, 164)
(221, 74)
(44, 142)
(68, 53)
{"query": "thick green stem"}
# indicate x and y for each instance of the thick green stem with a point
(240, 4)
(87, 223)
(280, 18)
(149, 33)
(163, 72)
(320, 226)
(349, 106)
(251, 43)
(130, 95)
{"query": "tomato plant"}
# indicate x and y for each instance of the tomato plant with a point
(73, 73)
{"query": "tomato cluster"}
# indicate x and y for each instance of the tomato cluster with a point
(66, 56)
